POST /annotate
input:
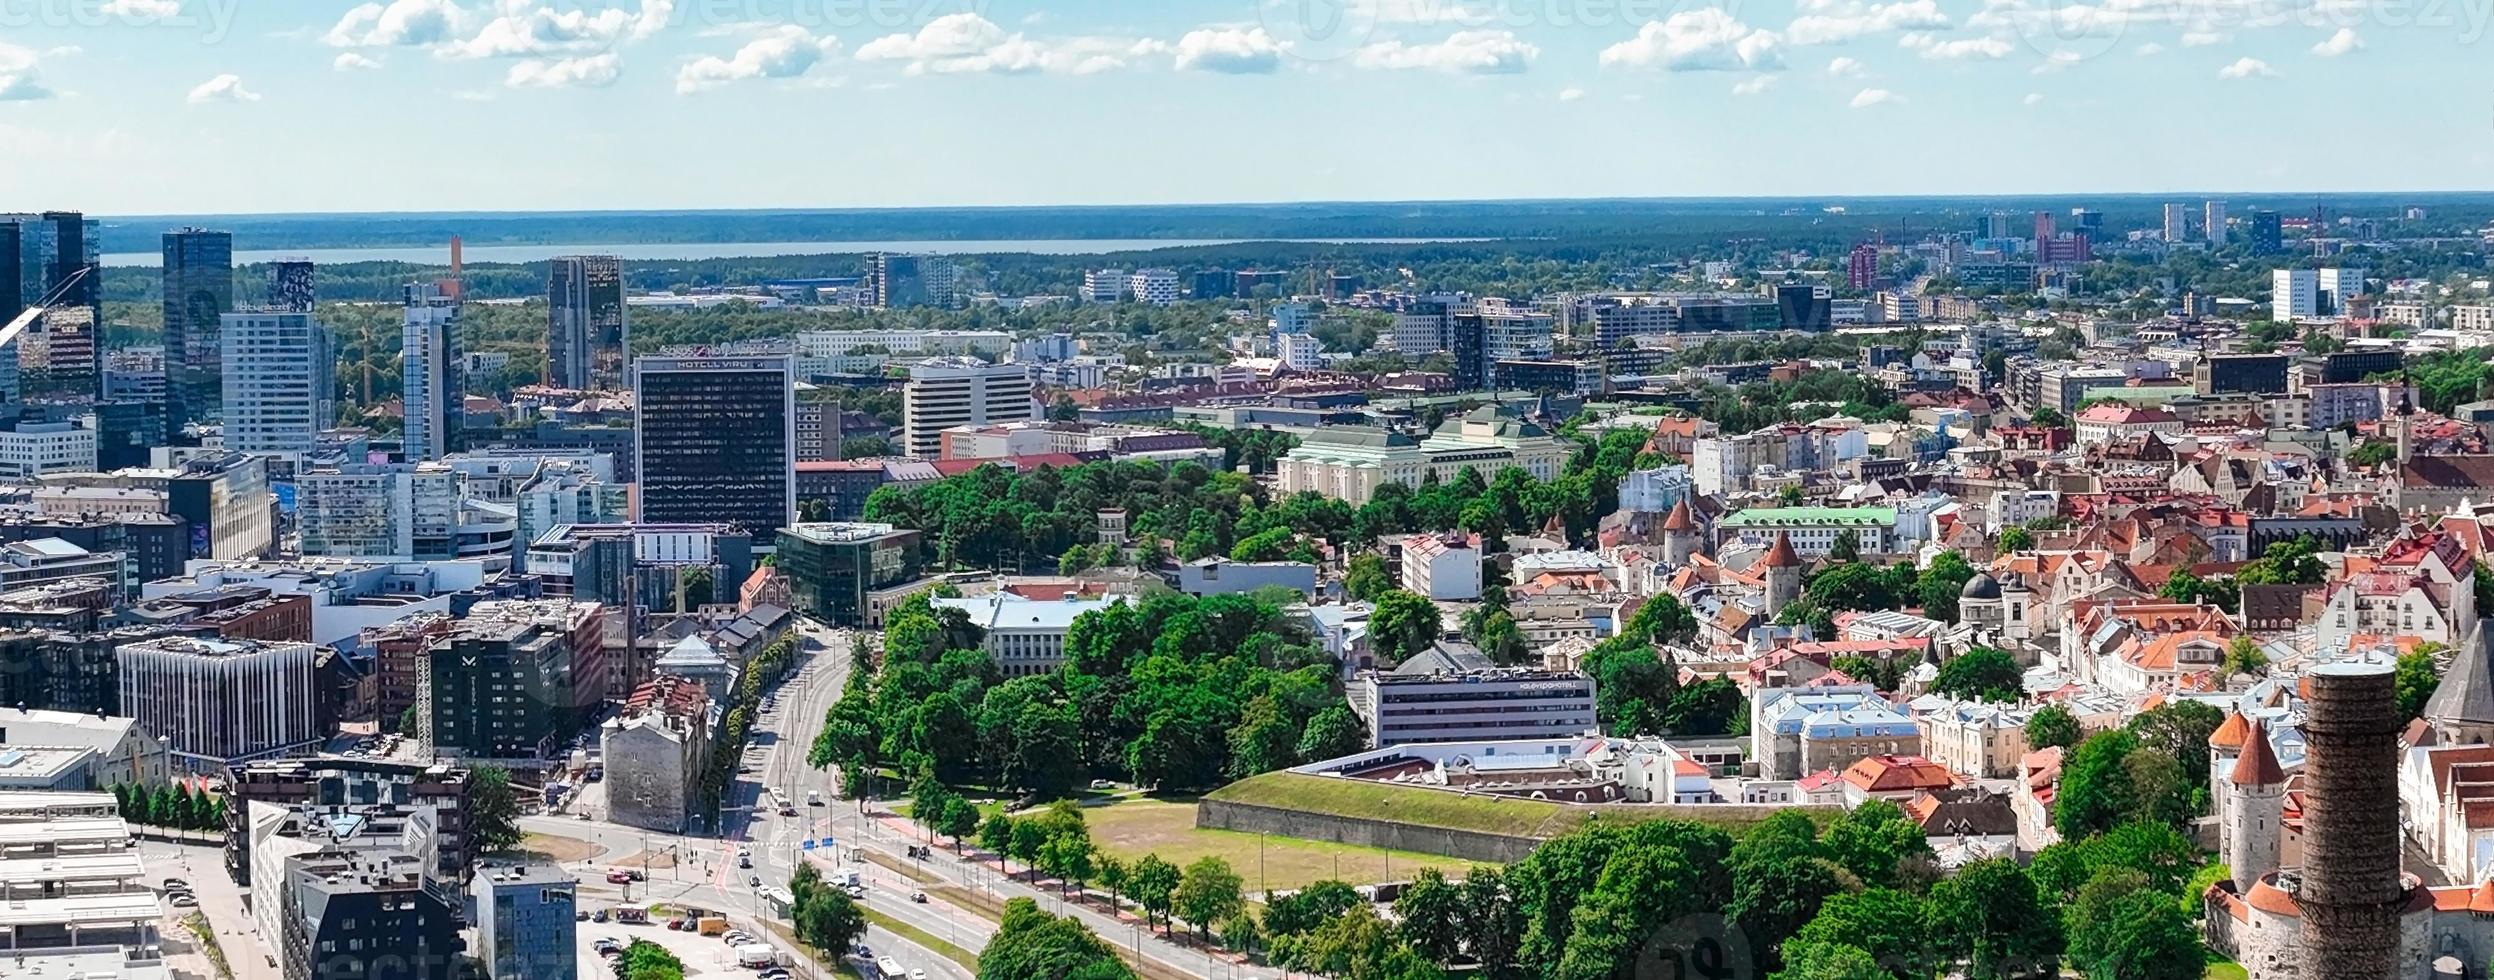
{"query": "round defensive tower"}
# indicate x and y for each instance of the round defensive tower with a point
(2349, 889)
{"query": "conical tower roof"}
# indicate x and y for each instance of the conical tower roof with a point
(2231, 734)
(1781, 554)
(2466, 695)
(1680, 519)
(2258, 765)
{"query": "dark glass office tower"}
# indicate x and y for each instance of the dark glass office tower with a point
(291, 287)
(716, 441)
(587, 335)
(198, 291)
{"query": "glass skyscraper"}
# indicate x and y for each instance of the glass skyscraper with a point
(198, 292)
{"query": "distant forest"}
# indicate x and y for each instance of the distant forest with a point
(1555, 219)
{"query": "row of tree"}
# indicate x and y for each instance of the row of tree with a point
(822, 916)
(766, 669)
(173, 807)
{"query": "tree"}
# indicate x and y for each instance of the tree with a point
(1889, 925)
(1239, 932)
(645, 960)
(1829, 961)
(824, 917)
(960, 820)
(1940, 586)
(1431, 914)
(2052, 727)
(1207, 893)
(1982, 674)
(1264, 546)
(1331, 734)
(1154, 883)
(1989, 915)
(2096, 791)
(1402, 625)
(693, 589)
(2295, 562)
(1877, 843)
(2015, 539)
(2051, 418)
(1308, 909)
(1846, 546)
(1366, 579)
(2121, 929)
(1030, 944)
(1492, 925)
(2243, 656)
(996, 836)
(495, 817)
(2415, 679)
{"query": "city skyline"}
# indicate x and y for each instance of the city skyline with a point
(960, 102)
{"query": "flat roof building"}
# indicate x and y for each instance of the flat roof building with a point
(1427, 705)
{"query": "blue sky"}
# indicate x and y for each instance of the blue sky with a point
(145, 106)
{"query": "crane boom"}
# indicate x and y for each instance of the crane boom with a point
(18, 327)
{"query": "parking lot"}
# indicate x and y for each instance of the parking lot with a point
(703, 956)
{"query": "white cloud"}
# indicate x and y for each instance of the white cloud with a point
(140, 9)
(17, 75)
(2057, 62)
(223, 88)
(474, 95)
(2247, 68)
(2150, 49)
(1230, 51)
(1754, 86)
(411, 23)
(1571, 94)
(593, 71)
(524, 30)
(1842, 67)
(1470, 52)
(1958, 49)
(786, 52)
(2202, 39)
(1705, 39)
(2343, 42)
(1869, 97)
(1844, 21)
(967, 42)
(2034, 98)
(350, 61)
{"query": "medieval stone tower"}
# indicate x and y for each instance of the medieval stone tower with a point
(1679, 534)
(2255, 814)
(2350, 890)
(1783, 566)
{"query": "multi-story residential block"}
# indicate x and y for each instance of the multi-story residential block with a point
(1105, 285)
(954, 391)
(1800, 731)
(513, 679)
(1442, 566)
(657, 751)
(588, 336)
(897, 281)
(1158, 287)
(278, 372)
(439, 789)
(1974, 739)
(1813, 530)
(716, 441)
(338, 910)
(397, 510)
(221, 702)
(433, 386)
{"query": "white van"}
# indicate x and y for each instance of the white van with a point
(755, 956)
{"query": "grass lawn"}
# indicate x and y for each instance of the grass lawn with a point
(1132, 828)
(1437, 808)
(967, 959)
(2225, 970)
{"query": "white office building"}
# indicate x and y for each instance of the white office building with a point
(31, 449)
(1299, 351)
(278, 369)
(432, 389)
(218, 702)
(1446, 567)
(2213, 222)
(2294, 294)
(951, 391)
(2335, 287)
(401, 511)
(1158, 287)
(1423, 705)
(1105, 285)
(1514, 333)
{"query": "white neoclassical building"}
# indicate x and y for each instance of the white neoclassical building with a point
(1350, 462)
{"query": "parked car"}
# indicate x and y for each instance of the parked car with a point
(184, 901)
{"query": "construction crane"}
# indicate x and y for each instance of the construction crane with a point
(18, 327)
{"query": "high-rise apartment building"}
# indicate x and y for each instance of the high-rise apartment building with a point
(2213, 222)
(588, 336)
(1862, 266)
(279, 372)
(198, 292)
(901, 281)
(292, 286)
(514, 679)
(2268, 233)
(948, 391)
(2177, 223)
(433, 389)
(1158, 287)
(2336, 287)
(715, 441)
(219, 702)
(2304, 293)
